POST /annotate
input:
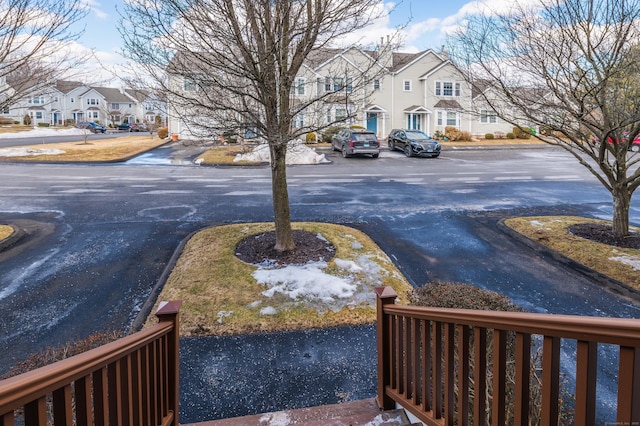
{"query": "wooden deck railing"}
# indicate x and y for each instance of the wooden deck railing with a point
(435, 362)
(132, 381)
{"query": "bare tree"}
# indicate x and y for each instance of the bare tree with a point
(34, 38)
(571, 69)
(233, 64)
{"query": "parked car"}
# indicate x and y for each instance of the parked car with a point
(633, 146)
(91, 126)
(413, 142)
(124, 126)
(356, 141)
(139, 127)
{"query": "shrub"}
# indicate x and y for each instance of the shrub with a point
(6, 120)
(311, 137)
(50, 355)
(466, 136)
(488, 136)
(329, 133)
(163, 132)
(355, 126)
(69, 122)
(43, 124)
(16, 122)
(511, 135)
(452, 133)
(466, 296)
(26, 120)
(499, 135)
(521, 133)
(438, 135)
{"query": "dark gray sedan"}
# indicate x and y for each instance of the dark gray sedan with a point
(413, 143)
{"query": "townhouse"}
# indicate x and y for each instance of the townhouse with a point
(379, 91)
(67, 102)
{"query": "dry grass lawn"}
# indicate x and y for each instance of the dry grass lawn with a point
(13, 128)
(221, 296)
(103, 150)
(5, 231)
(221, 155)
(552, 232)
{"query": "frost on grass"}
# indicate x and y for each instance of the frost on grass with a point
(223, 314)
(350, 284)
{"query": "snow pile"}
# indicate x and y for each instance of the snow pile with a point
(297, 153)
(633, 261)
(44, 132)
(349, 284)
(23, 152)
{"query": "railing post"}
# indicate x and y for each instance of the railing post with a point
(168, 311)
(385, 296)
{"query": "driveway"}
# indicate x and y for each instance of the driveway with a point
(112, 228)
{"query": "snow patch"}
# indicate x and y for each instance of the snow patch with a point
(44, 132)
(268, 310)
(633, 261)
(275, 419)
(223, 314)
(24, 152)
(297, 153)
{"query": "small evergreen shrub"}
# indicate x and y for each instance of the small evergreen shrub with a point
(489, 136)
(163, 132)
(26, 120)
(43, 124)
(311, 137)
(511, 135)
(330, 133)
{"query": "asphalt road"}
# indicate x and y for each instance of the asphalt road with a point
(5, 143)
(99, 237)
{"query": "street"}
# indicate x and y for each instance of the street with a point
(100, 235)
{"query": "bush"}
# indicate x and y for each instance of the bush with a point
(311, 137)
(438, 135)
(43, 124)
(466, 296)
(26, 120)
(461, 296)
(511, 135)
(330, 133)
(489, 136)
(466, 136)
(54, 354)
(452, 133)
(69, 122)
(16, 122)
(521, 133)
(163, 132)
(6, 120)
(355, 126)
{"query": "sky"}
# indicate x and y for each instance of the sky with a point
(427, 23)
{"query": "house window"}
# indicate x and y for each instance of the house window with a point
(5, 110)
(115, 106)
(329, 118)
(447, 118)
(341, 114)
(376, 84)
(349, 84)
(487, 116)
(92, 115)
(327, 84)
(338, 84)
(452, 118)
(414, 121)
(298, 120)
(93, 101)
(116, 118)
(38, 115)
(73, 100)
(298, 87)
(148, 107)
(55, 99)
(447, 88)
(406, 85)
(36, 100)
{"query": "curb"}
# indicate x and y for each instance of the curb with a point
(12, 239)
(609, 283)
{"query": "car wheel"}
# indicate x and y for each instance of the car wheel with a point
(375, 155)
(635, 148)
(345, 154)
(408, 151)
(392, 146)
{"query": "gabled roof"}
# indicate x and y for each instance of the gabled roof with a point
(417, 109)
(447, 104)
(65, 87)
(113, 95)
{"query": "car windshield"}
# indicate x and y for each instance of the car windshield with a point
(417, 136)
(364, 137)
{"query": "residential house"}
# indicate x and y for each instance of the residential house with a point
(67, 102)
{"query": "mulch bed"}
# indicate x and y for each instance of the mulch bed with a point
(604, 234)
(261, 248)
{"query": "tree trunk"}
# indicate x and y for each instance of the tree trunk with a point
(621, 201)
(281, 211)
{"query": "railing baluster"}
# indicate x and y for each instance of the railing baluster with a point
(100, 397)
(35, 412)
(136, 389)
(82, 393)
(550, 379)
(437, 369)
(384, 336)
(406, 352)
(125, 386)
(480, 376)
(522, 377)
(463, 375)
(629, 386)
(427, 366)
(62, 411)
(400, 353)
(586, 376)
(449, 372)
(499, 369)
(415, 377)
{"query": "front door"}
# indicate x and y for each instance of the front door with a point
(372, 122)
